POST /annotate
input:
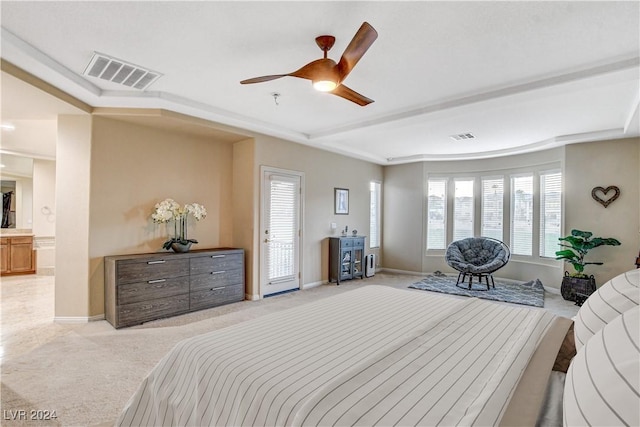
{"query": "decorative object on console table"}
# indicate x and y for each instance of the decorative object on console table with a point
(144, 287)
(578, 286)
(170, 211)
(346, 258)
(599, 194)
(341, 202)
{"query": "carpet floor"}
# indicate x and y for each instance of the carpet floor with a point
(87, 372)
(529, 293)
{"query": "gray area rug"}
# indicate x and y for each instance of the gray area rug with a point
(528, 293)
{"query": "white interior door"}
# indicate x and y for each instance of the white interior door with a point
(280, 223)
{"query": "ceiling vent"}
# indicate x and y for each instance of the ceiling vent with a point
(121, 72)
(462, 136)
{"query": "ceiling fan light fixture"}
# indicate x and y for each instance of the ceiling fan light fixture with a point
(324, 85)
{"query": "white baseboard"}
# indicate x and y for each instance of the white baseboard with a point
(313, 284)
(46, 271)
(78, 319)
(394, 271)
(552, 290)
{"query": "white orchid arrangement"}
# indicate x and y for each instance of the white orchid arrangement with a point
(169, 210)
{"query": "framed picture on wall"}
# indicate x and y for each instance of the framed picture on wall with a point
(341, 203)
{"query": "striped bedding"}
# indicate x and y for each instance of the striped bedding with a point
(372, 356)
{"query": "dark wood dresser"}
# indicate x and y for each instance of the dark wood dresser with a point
(144, 287)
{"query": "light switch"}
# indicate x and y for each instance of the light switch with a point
(334, 225)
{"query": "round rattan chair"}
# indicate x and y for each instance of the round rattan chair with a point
(477, 257)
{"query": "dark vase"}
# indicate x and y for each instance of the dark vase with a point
(180, 247)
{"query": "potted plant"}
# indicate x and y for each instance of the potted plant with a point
(168, 210)
(578, 285)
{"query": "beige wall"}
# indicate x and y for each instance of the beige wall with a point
(602, 164)
(73, 177)
(403, 207)
(44, 218)
(44, 197)
(323, 171)
(245, 222)
(585, 166)
(133, 168)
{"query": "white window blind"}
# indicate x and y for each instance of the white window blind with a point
(374, 214)
(463, 209)
(282, 228)
(522, 214)
(550, 212)
(437, 214)
(492, 207)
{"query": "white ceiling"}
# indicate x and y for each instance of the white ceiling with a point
(520, 76)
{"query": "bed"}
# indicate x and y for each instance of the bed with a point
(371, 356)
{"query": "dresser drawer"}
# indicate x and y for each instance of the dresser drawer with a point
(140, 312)
(135, 272)
(151, 289)
(214, 279)
(358, 243)
(143, 287)
(215, 296)
(346, 243)
(216, 263)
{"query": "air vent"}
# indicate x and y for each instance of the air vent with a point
(462, 136)
(118, 71)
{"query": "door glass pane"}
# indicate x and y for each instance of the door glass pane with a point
(437, 214)
(282, 228)
(522, 215)
(345, 264)
(492, 207)
(463, 209)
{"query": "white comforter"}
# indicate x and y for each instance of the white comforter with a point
(372, 356)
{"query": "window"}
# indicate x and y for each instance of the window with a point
(492, 207)
(437, 214)
(522, 215)
(463, 209)
(521, 207)
(374, 214)
(550, 212)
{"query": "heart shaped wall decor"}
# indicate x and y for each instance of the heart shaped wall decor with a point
(599, 194)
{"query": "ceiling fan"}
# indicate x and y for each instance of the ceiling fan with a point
(325, 73)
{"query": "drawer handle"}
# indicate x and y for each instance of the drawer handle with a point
(217, 256)
(218, 272)
(156, 262)
(215, 289)
(157, 281)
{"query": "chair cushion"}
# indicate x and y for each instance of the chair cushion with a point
(476, 255)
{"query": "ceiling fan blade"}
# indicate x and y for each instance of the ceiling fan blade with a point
(358, 46)
(314, 69)
(263, 79)
(351, 95)
(309, 71)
